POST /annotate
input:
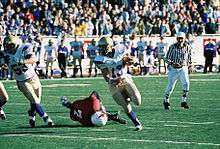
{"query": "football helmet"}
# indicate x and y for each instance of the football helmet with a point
(11, 44)
(99, 118)
(105, 45)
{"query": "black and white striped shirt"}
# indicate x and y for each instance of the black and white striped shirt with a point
(179, 55)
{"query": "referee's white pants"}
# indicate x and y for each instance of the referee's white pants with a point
(173, 75)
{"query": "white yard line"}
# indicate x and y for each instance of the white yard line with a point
(114, 139)
(204, 80)
(183, 126)
(191, 123)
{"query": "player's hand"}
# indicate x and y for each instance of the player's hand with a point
(190, 69)
(177, 65)
(128, 60)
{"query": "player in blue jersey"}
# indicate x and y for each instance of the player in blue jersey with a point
(92, 51)
(77, 53)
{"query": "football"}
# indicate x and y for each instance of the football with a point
(99, 118)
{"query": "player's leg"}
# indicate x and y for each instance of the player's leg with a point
(159, 64)
(51, 69)
(47, 67)
(165, 68)
(132, 91)
(184, 78)
(39, 108)
(116, 117)
(206, 65)
(90, 67)
(80, 66)
(172, 78)
(3, 100)
(74, 67)
(32, 91)
(123, 101)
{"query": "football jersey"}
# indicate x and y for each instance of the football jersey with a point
(161, 48)
(92, 49)
(76, 48)
(141, 47)
(114, 65)
(22, 71)
(82, 110)
(50, 51)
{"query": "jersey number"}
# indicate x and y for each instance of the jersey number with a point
(78, 113)
(19, 69)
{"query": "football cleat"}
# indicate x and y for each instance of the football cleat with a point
(166, 105)
(184, 105)
(48, 121)
(138, 127)
(116, 118)
(2, 114)
(31, 118)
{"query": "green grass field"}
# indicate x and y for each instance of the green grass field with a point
(197, 128)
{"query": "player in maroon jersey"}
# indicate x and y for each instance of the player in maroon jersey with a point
(82, 110)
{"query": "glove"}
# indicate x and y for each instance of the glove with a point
(127, 60)
(177, 65)
(190, 69)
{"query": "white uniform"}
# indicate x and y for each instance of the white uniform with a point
(22, 71)
(120, 83)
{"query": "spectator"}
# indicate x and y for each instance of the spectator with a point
(211, 27)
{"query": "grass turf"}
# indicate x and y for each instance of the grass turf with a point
(198, 127)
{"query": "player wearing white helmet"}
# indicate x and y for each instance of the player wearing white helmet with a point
(21, 60)
(112, 63)
(179, 63)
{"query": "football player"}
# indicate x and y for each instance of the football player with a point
(49, 57)
(112, 63)
(77, 54)
(92, 51)
(3, 100)
(90, 111)
(21, 59)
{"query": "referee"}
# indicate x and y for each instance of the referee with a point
(179, 63)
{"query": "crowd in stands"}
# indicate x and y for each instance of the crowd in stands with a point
(101, 17)
(31, 19)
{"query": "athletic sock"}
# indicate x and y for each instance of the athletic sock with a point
(32, 110)
(133, 117)
(40, 110)
(166, 99)
(2, 103)
(185, 95)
